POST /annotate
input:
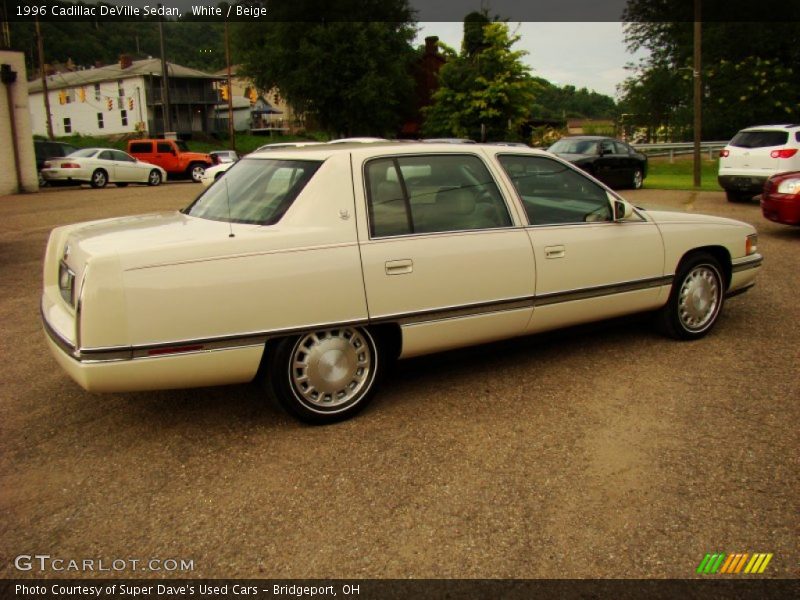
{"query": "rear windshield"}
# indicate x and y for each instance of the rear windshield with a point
(255, 191)
(85, 153)
(759, 139)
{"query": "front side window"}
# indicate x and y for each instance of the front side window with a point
(555, 194)
(164, 148)
(254, 191)
(430, 194)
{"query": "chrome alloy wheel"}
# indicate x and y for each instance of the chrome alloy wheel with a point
(197, 172)
(331, 369)
(699, 298)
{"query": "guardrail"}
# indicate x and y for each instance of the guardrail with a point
(671, 150)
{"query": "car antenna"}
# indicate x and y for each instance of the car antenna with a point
(228, 200)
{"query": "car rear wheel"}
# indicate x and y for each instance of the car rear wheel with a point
(196, 172)
(637, 179)
(99, 179)
(154, 178)
(695, 300)
(326, 375)
(734, 196)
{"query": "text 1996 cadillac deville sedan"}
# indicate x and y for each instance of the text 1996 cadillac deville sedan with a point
(312, 268)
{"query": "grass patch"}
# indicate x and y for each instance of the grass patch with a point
(678, 175)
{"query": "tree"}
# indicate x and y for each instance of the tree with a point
(352, 78)
(748, 68)
(486, 85)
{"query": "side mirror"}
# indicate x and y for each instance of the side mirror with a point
(622, 210)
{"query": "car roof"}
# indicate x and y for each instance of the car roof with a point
(323, 151)
(780, 127)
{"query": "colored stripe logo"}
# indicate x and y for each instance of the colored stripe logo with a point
(733, 564)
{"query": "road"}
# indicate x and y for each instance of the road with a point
(603, 451)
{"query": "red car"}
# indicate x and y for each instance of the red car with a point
(781, 199)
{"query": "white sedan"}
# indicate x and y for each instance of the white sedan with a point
(314, 268)
(101, 166)
(211, 174)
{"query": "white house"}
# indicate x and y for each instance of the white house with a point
(124, 98)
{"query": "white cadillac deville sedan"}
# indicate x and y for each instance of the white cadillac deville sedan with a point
(313, 268)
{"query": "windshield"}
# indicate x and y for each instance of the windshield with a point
(85, 153)
(254, 191)
(182, 146)
(574, 147)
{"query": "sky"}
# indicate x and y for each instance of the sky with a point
(590, 55)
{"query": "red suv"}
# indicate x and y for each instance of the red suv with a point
(171, 155)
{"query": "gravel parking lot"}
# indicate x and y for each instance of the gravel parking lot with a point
(603, 451)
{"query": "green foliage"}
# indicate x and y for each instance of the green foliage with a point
(351, 78)
(748, 69)
(486, 84)
(554, 102)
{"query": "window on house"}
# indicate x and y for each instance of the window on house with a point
(121, 88)
(97, 95)
(123, 114)
(100, 120)
(67, 125)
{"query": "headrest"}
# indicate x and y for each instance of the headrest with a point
(457, 201)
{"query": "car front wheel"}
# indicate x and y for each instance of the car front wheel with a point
(695, 300)
(99, 179)
(325, 376)
(196, 171)
(637, 179)
(154, 178)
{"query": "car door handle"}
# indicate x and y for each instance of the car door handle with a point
(554, 251)
(399, 267)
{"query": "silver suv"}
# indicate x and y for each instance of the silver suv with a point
(753, 155)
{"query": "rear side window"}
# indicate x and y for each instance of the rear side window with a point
(759, 139)
(429, 194)
(141, 147)
(254, 191)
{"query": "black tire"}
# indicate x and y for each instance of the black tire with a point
(637, 179)
(99, 179)
(121, 184)
(196, 171)
(734, 196)
(154, 178)
(345, 363)
(696, 298)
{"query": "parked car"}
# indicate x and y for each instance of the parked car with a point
(211, 174)
(219, 157)
(171, 155)
(319, 266)
(100, 166)
(44, 149)
(780, 201)
(611, 161)
(753, 155)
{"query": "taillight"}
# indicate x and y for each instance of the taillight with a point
(783, 153)
(69, 165)
(46, 164)
(724, 152)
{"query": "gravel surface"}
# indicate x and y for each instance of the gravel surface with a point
(602, 451)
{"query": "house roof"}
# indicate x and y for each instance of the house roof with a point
(150, 66)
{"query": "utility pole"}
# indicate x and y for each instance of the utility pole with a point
(165, 107)
(231, 131)
(45, 93)
(698, 90)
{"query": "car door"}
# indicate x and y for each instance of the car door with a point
(588, 266)
(440, 251)
(105, 159)
(607, 165)
(166, 157)
(128, 169)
